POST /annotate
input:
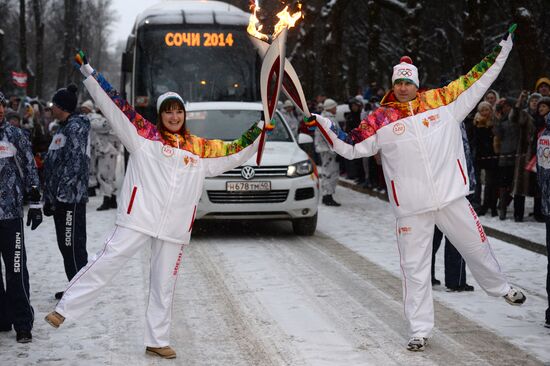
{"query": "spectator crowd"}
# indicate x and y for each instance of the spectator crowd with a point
(501, 133)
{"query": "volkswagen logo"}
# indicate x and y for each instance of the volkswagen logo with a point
(248, 172)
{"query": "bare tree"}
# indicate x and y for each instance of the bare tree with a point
(472, 39)
(22, 37)
(334, 79)
(373, 16)
(528, 44)
(39, 47)
(69, 35)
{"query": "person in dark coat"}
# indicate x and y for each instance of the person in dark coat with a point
(523, 184)
(543, 178)
(66, 180)
(485, 158)
(542, 111)
(505, 143)
(18, 178)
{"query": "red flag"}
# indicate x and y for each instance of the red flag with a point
(19, 79)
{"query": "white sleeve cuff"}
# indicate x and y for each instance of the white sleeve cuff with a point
(86, 70)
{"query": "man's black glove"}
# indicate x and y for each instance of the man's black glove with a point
(34, 215)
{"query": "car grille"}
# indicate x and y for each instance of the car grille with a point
(304, 194)
(261, 172)
(275, 196)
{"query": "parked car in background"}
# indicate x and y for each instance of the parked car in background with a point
(284, 187)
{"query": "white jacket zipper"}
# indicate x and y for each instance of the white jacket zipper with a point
(425, 156)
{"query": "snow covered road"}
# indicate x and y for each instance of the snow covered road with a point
(265, 297)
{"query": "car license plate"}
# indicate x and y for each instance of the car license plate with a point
(248, 186)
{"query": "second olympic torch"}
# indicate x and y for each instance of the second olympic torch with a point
(275, 61)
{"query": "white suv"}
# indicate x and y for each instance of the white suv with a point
(284, 187)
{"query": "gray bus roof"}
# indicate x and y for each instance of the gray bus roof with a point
(192, 12)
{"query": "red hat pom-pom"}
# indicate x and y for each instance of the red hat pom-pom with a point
(406, 59)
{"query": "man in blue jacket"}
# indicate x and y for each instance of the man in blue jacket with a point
(66, 180)
(18, 177)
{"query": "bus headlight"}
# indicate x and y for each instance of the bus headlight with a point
(300, 169)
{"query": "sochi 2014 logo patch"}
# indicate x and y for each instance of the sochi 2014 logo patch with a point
(405, 230)
(433, 119)
(399, 128)
(167, 151)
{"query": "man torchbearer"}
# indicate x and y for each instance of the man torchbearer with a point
(418, 137)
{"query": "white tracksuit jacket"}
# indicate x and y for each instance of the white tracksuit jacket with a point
(163, 183)
(420, 141)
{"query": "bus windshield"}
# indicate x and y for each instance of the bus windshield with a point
(201, 63)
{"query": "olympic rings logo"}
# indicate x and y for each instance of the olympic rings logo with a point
(405, 72)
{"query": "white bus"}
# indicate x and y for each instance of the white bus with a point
(197, 48)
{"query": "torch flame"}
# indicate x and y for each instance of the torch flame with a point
(252, 22)
(286, 20)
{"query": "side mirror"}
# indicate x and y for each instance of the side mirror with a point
(304, 139)
(127, 62)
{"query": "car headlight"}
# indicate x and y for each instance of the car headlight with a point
(300, 169)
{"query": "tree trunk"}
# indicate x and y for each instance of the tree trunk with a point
(412, 33)
(472, 39)
(3, 71)
(527, 42)
(64, 69)
(332, 58)
(39, 49)
(22, 37)
(373, 45)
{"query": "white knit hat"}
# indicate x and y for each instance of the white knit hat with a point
(405, 70)
(88, 104)
(329, 104)
(168, 95)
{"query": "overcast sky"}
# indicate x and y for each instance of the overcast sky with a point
(127, 10)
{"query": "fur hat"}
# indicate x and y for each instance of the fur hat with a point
(534, 95)
(88, 105)
(166, 96)
(329, 104)
(405, 70)
(484, 104)
(543, 80)
(66, 99)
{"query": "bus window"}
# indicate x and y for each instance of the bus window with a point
(208, 63)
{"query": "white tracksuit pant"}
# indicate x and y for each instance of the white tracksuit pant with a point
(120, 246)
(459, 222)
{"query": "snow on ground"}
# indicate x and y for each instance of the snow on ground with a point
(246, 299)
(366, 225)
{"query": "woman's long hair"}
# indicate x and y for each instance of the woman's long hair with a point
(169, 105)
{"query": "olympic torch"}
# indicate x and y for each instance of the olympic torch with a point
(291, 85)
(273, 65)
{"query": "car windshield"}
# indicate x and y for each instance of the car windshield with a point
(229, 125)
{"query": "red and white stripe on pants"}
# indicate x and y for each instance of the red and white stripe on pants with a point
(458, 222)
(120, 246)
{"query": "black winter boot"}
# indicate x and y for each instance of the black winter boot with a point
(502, 203)
(329, 201)
(106, 204)
(112, 202)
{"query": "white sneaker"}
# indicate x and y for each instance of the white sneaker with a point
(417, 344)
(514, 297)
